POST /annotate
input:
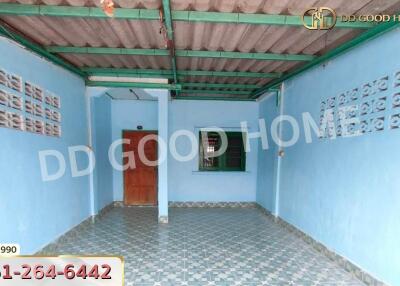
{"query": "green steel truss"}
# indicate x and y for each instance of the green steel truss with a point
(214, 98)
(168, 74)
(240, 92)
(210, 91)
(219, 85)
(179, 53)
(170, 34)
(134, 85)
(185, 87)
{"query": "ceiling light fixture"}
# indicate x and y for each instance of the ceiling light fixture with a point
(128, 79)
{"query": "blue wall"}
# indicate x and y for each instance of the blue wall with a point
(268, 110)
(185, 182)
(32, 212)
(345, 192)
(102, 139)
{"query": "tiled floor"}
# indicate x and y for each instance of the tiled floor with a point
(205, 246)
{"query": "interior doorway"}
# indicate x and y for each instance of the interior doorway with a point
(140, 183)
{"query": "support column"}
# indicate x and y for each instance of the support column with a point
(163, 102)
(278, 161)
(91, 138)
(89, 94)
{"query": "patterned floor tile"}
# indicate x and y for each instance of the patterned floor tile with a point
(204, 247)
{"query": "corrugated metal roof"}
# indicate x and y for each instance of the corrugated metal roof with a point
(242, 6)
(84, 32)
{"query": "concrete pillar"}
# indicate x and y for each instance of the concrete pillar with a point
(278, 160)
(163, 104)
(90, 93)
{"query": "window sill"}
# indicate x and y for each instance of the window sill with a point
(219, 172)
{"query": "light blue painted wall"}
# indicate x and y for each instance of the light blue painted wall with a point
(185, 182)
(268, 111)
(345, 192)
(127, 115)
(32, 212)
(102, 139)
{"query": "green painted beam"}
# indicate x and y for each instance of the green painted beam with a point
(180, 53)
(366, 36)
(218, 85)
(181, 73)
(107, 51)
(122, 71)
(230, 74)
(73, 11)
(170, 32)
(212, 98)
(200, 84)
(133, 85)
(257, 19)
(210, 91)
(186, 16)
(239, 55)
(136, 75)
(8, 33)
(187, 84)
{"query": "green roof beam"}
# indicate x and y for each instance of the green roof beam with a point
(218, 85)
(213, 98)
(122, 71)
(181, 73)
(230, 74)
(133, 75)
(73, 11)
(107, 51)
(180, 53)
(170, 32)
(210, 91)
(258, 19)
(248, 56)
(133, 85)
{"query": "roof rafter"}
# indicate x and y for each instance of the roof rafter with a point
(133, 84)
(214, 98)
(219, 85)
(168, 74)
(211, 91)
(152, 14)
(180, 53)
(170, 35)
(188, 85)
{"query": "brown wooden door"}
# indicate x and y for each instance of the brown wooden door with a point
(140, 183)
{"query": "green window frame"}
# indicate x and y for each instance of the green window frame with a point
(233, 159)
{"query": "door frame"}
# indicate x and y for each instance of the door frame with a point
(123, 172)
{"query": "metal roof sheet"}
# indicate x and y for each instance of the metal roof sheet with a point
(83, 32)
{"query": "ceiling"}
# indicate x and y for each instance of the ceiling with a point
(243, 39)
(129, 94)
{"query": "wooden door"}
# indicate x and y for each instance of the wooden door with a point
(140, 183)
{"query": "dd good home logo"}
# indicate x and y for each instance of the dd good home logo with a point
(322, 18)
